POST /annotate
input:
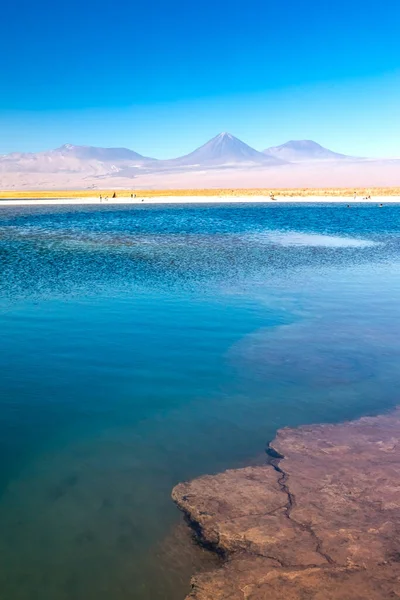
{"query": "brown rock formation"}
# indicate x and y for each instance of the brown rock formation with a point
(321, 521)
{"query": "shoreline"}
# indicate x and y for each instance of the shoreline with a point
(320, 519)
(143, 201)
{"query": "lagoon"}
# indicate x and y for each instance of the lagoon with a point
(142, 346)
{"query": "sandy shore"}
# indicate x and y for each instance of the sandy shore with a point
(195, 200)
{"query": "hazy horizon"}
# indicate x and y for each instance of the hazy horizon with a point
(282, 143)
(69, 145)
(223, 161)
(175, 129)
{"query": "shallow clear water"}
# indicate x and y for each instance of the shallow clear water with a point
(143, 346)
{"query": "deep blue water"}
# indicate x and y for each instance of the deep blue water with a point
(143, 346)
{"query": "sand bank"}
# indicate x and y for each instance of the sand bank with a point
(376, 200)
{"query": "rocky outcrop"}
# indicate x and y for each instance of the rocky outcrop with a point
(320, 521)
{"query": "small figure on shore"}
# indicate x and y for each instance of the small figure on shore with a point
(114, 195)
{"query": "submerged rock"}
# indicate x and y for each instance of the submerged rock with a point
(321, 520)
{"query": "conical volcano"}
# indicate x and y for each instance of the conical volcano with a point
(224, 149)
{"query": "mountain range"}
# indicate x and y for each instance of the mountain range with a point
(222, 161)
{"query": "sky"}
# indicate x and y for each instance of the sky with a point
(163, 77)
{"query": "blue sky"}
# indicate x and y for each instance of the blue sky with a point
(163, 77)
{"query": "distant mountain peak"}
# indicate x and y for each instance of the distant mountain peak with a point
(70, 158)
(224, 149)
(98, 154)
(65, 148)
(303, 144)
(303, 151)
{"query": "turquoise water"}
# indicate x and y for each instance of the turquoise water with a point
(144, 346)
